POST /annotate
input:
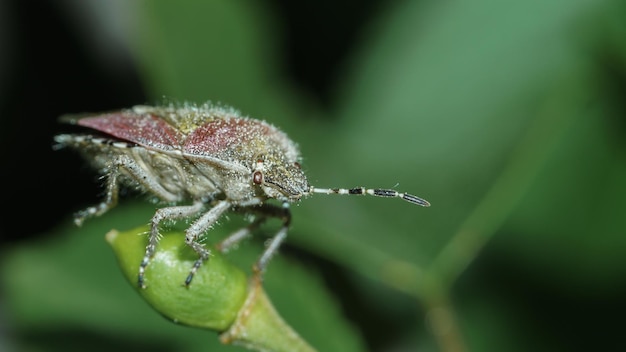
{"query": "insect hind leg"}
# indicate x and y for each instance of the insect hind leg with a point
(110, 200)
(137, 173)
(234, 238)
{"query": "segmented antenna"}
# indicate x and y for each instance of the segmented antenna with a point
(387, 193)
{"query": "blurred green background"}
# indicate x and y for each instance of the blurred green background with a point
(508, 116)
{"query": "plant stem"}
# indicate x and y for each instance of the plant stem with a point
(511, 185)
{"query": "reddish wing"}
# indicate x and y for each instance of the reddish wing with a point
(216, 136)
(147, 130)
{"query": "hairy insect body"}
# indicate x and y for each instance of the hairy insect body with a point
(203, 161)
(194, 152)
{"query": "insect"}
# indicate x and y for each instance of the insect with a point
(202, 161)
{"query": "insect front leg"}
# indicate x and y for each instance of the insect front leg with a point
(118, 165)
(170, 213)
(193, 233)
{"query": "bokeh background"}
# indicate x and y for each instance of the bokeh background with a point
(509, 116)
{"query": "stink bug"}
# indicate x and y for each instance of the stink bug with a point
(202, 161)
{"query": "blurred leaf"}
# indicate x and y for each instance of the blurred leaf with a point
(571, 224)
(219, 51)
(440, 99)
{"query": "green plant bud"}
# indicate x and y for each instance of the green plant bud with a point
(218, 291)
(221, 297)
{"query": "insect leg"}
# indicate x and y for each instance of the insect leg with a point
(136, 172)
(169, 213)
(270, 210)
(112, 190)
(272, 248)
(197, 229)
(239, 235)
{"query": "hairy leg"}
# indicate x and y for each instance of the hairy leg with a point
(169, 213)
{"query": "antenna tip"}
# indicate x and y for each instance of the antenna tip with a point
(415, 200)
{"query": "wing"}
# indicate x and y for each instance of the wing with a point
(147, 130)
(224, 136)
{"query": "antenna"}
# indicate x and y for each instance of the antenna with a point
(387, 193)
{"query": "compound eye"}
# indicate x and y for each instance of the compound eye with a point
(297, 165)
(257, 177)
